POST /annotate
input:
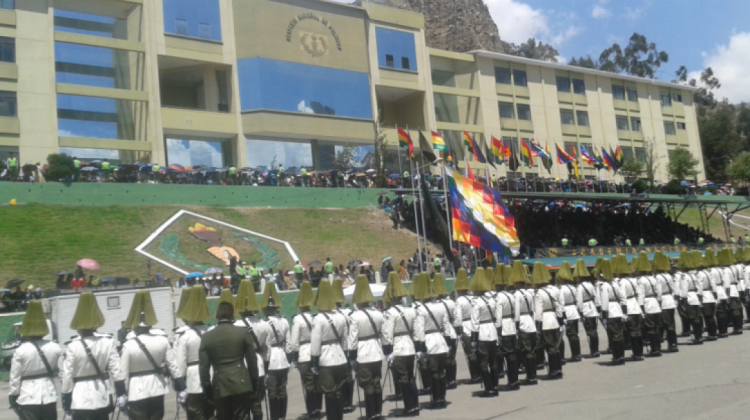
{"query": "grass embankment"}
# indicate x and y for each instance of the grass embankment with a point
(38, 240)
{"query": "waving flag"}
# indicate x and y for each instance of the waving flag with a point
(537, 150)
(404, 140)
(587, 157)
(619, 156)
(439, 144)
(506, 152)
(562, 157)
(599, 160)
(526, 156)
(480, 217)
(474, 148)
(490, 158)
(575, 161)
(497, 149)
(547, 159)
(607, 160)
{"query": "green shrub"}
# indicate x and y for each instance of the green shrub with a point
(674, 187)
(639, 186)
(60, 167)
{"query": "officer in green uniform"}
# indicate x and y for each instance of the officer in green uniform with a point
(105, 170)
(329, 267)
(233, 384)
(233, 175)
(255, 275)
(156, 172)
(565, 242)
(299, 271)
(592, 242)
(12, 167)
(303, 172)
(282, 175)
(76, 169)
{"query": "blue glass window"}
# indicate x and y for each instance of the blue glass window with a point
(195, 18)
(95, 66)
(113, 156)
(7, 4)
(292, 155)
(104, 118)
(195, 152)
(295, 87)
(88, 24)
(396, 44)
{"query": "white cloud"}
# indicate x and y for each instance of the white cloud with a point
(633, 14)
(194, 152)
(600, 13)
(730, 64)
(517, 22)
(301, 107)
(559, 39)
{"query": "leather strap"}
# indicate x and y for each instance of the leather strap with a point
(252, 334)
(403, 317)
(148, 355)
(44, 359)
(333, 327)
(487, 305)
(372, 324)
(99, 374)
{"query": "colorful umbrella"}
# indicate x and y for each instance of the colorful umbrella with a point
(88, 264)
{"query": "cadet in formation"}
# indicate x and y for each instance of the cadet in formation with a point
(462, 323)
(442, 297)
(507, 340)
(300, 342)
(338, 292)
(525, 325)
(485, 331)
(246, 308)
(570, 295)
(278, 349)
(194, 313)
(613, 316)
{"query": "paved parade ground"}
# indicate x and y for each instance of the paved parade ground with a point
(699, 382)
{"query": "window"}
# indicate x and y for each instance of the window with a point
(8, 4)
(100, 118)
(97, 66)
(113, 302)
(566, 117)
(181, 27)
(502, 75)
(221, 83)
(632, 95)
(622, 122)
(201, 152)
(583, 118)
(506, 110)
(666, 99)
(456, 109)
(669, 128)
(262, 151)
(7, 50)
(204, 30)
(443, 78)
(618, 93)
(640, 154)
(389, 60)
(579, 88)
(97, 25)
(627, 153)
(519, 78)
(571, 148)
(677, 97)
(512, 143)
(396, 46)
(680, 125)
(635, 123)
(523, 112)
(563, 84)
(8, 107)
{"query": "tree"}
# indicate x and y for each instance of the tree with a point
(586, 62)
(345, 158)
(708, 82)
(380, 153)
(631, 169)
(720, 140)
(536, 50)
(60, 167)
(639, 58)
(682, 164)
(739, 170)
(650, 161)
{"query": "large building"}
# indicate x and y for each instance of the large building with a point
(269, 82)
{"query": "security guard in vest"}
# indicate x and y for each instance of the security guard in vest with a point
(282, 175)
(329, 268)
(303, 172)
(700, 241)
(641, 242)
(105, 170)
(676, 241)
(436, 265)
(593, 242)
(156, 172)
(299, 271)
(255, 275)
(405, 179)
(12, 167)
(565, 242)
(76, 169)
(628, 242)
(233, 175)
(747, 239)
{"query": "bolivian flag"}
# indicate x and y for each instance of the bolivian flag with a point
(438, 144)
(526, 156)
(404, 140)
(497, 150)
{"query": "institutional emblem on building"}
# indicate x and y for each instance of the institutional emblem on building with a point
(314, 44)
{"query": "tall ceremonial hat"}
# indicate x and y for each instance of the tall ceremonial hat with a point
(142, 312)
(697, 258)
(498, 275)
(88, 316)
(305, 297)
(581, 270)
(479, 283)
(462, 280)
(395, 289)
(605, 270)
(420, 287)
(725, 258)
(270, 297)
(507, 270)
(226, 296)
(438, 286)
(518, 275)
(34, 324)
(642, 263)
(684, 263)
(489, 274)
(564, 272)
(709, 258)
(540, 274)
(325, 299)
(246, 300)
(196, 307)
(739, 255)
(362, 292)
(184, 296)
(661, 262)
(595, 270)
(338, 290)
(619, 265)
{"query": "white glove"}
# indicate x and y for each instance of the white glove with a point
(390, 359)
(68, 416)
(624, 318)
(294, 365)
(562, 329)
(420, 355)
(182, 397)
(122, 401)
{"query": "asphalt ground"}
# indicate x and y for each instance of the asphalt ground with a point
(700, 382)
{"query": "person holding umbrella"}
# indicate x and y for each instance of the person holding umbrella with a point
(32, 392)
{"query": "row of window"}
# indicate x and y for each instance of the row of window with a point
(567, 118)
(523, 111)
(503, 76)
(635, 125)
(564, 85)
(667, 99)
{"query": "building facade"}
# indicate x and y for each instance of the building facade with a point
(261, 83)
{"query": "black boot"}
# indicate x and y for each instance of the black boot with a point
(439, 392)
(450, 373)
(575, 351)
(476, 377)
(555, 367)
(426, 376)
(540, 357)
(594, 347)
(368, 407)
(697, 332)
(411, 399)
(273, 408)
(530, 364)
(398, 390)
(331, 409)
(500, 366)
(379, 406)
(737, 325)
(636, 344)
(655, 340)
(512, 373)
(672, 341)
(341, 401)
(618, 352)
(282, 408)
(561, 350)
(489, 390)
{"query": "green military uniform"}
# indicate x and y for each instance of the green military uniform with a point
(230, 352)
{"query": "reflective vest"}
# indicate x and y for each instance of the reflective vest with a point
(254, 271)
(155, 168)
(329, 267)
(747, 238)
(676, 241)
(299, 269)
(436, 261)
(12, 162)
(641, 241)
(565, 242)
(734, 241)
(241, 270)
(105, 166)
(77, 164)
(303, 171)
(592, 242)
(281, 169)
(232, 171)
(406, 174)
(628, 243)
(700, 241)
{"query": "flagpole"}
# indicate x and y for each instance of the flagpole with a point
(447, 205)
(421, 208)
(398, 149)
(416, 222)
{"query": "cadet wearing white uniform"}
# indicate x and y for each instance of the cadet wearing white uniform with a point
(366, 353)
(348, 387)
(328, 347)
(590, 304)
(186, 346)
(634, 296)
(300, 341)
(442, 297)
(613, 300)
(32, 392)
(90, 361)
(278, 354)
(691, 291)
(549, 316)
(462, 323)
(572, 300)
(141, 363)
(662, 269)
(246, 307)
(736, 287)
(506, 309)
(709, 278)
(485, 323)
(398, 344)
(524, 319)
